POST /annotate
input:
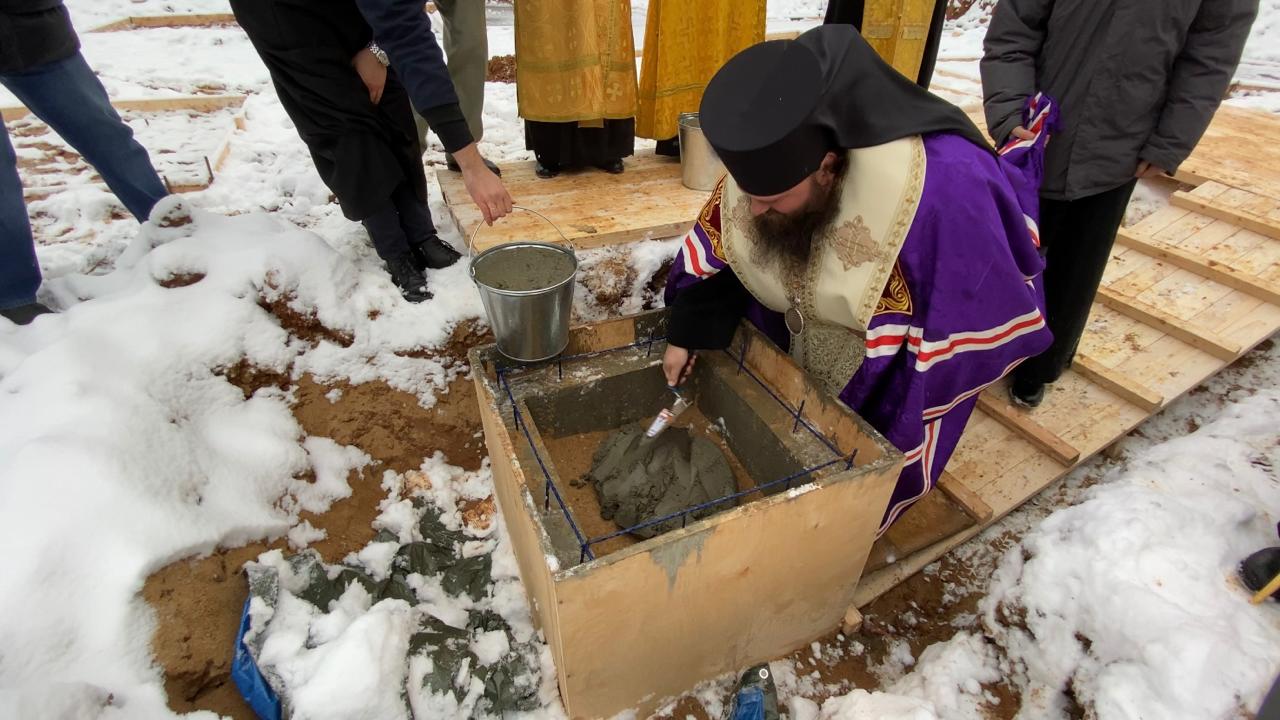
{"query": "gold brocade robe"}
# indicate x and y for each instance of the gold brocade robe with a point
(575, 60)
(685, 43)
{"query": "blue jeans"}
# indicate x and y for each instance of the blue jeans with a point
(70, 99)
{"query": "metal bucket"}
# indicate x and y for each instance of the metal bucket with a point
(527, 291)
(700, 168)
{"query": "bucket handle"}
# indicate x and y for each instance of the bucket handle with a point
(471, 243)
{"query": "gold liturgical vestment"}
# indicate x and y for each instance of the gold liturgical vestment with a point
(685, 43)
(575, 60)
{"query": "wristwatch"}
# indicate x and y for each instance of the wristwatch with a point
(380, 54)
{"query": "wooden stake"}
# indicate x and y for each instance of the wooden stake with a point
(1032, 431)
(1221, 211)
(1117, 384)
(974, 506)
(1188, 332)
(1266, 591)
(852, 621)
(1219, 272)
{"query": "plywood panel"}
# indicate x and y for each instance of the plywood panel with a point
(635, 627)
(591, 207)
(1241, 148)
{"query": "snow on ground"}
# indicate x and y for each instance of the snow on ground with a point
(122, 449)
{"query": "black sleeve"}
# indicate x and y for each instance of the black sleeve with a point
(705, 315)
(403, 30)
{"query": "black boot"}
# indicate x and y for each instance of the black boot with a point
(24, 314)
(668, 148)
(1259, 569)
(407, 277)
(1026, 393)
(613, 167)
(433, 253)
(546, 170)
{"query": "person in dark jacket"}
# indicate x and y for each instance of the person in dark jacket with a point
(40, 63)
(357, 121)
(1137, 83)
(403, 31)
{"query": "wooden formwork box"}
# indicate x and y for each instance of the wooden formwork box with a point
(645, 624)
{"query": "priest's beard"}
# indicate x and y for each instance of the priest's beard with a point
(788, 238)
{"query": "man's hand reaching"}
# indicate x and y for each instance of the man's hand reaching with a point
(485, 188)
(677, 364)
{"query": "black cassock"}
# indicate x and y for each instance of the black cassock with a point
(361, 150)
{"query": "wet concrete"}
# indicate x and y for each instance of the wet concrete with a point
(524, 268)
(641, 479)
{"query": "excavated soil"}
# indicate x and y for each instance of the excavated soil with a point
(502, 69)
(197, 603)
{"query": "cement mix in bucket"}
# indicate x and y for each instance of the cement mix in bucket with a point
(639, 479)
(524, 268)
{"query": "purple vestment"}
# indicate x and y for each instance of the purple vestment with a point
(972, 308)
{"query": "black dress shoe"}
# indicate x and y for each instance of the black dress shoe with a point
(1260, 568)
(1026, 393)
(613, 167)
(433, 253)
(24, 314)
(453, 165)
(546, 171)
(407, 277)
(668, 148)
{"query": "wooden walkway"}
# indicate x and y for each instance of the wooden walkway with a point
(1189, 289)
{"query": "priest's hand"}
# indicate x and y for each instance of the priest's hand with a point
(677, 364)
(372, 72)
(485, 188)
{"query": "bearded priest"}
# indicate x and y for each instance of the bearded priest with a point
(866, 226)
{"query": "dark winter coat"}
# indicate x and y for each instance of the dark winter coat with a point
(1135, 80)
(34, 33)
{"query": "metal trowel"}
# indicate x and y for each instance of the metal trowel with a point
(667, 415)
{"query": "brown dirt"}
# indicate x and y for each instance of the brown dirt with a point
(181, 280)
(300, 325)
(655, 285)
(502, 68)
(610, 280)
(197, 603)
(957, 8)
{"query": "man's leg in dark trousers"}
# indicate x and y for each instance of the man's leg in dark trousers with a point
(1076, 237)
(69, 98)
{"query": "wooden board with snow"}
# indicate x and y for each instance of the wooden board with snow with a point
(591, 207)
(187, 140)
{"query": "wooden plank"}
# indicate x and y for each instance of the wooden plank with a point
(973, 504)
(198, 103)
(592, 208)
(1243, 218)
(167, 21)
(1121, 386)
(1241, 148)
(1018, 420)
(1188, 332)
(1221, 273)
